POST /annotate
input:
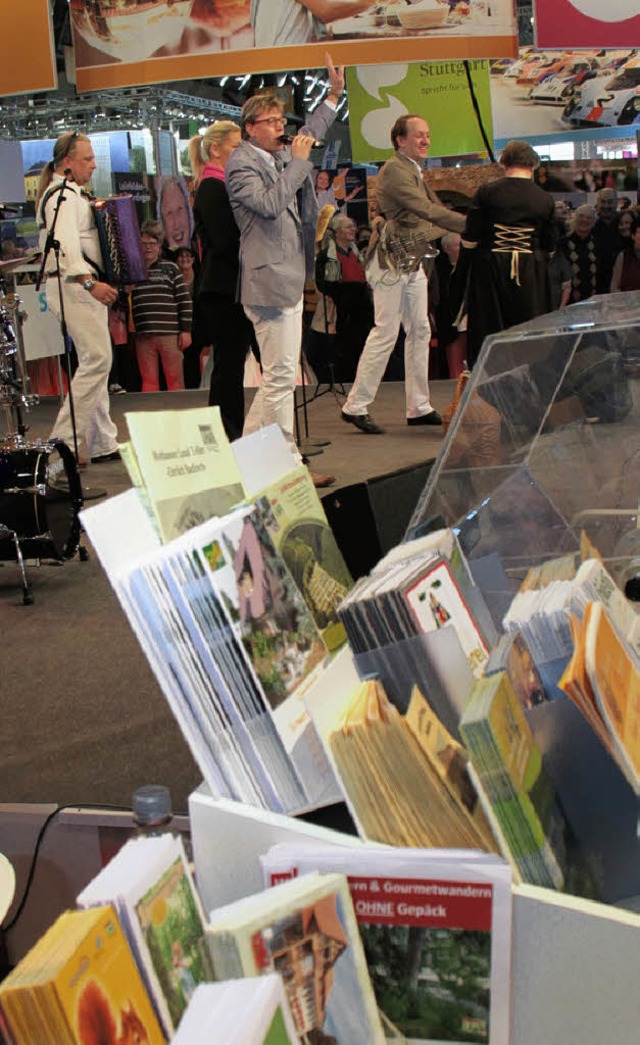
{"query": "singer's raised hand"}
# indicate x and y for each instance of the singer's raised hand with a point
(336, 78)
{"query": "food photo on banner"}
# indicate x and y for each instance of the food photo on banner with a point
(378, 95)
(120, 43)
(587, 23)
(559, 92)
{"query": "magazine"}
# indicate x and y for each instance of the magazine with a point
(186, 464)
(436, 931)
(306, 930)
(150, 885)
(78, 984)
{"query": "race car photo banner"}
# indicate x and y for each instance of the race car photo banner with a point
(560, 93)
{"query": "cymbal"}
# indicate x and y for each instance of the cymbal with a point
(14, 263)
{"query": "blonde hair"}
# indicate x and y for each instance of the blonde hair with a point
(200, 145)
(65, 146)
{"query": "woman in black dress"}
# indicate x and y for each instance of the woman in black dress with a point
(219, 318)
(510, 234)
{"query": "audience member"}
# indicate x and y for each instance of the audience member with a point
(626, 270)
(606, 237)
(511, 231)
(219, 317)
(450, 330)
(340, 276)
(363, 237)
(626, 221)
(185, 259)
(162, 318)
(580, 248)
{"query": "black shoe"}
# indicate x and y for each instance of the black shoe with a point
(432, 418)
(113, 456)
(363, 422)
(92, 493)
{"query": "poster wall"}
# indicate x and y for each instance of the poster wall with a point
(120, 43)
(438, 91)
(27, 35)
(587, 23)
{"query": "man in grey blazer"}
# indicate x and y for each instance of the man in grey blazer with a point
(411, 209)
(274, 204)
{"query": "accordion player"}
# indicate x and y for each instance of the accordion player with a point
(120, 242)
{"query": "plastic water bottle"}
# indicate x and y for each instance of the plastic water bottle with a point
(153, 815)
(152, 812)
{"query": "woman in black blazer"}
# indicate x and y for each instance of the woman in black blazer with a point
(219, 317)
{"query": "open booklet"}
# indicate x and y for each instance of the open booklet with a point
(150, 885)
(306, 930)
(436, 930)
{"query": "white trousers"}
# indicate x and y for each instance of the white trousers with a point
(279, 335)
(87, 324)
(397, 299)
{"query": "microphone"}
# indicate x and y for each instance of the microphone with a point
(286, 139)
(67, 172)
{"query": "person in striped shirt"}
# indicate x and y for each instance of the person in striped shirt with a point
(162, 312)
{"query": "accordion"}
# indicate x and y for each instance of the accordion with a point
(120, 242)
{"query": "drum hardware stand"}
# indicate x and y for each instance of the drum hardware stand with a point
(27, 595)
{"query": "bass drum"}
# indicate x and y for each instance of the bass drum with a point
(40, 497)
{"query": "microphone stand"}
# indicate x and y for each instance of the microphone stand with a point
(52, 243)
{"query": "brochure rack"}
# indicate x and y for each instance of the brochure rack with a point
(544, 449)
(574, 962)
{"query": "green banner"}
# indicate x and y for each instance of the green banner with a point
(437, 91)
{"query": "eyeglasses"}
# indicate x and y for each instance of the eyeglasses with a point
(273, 121)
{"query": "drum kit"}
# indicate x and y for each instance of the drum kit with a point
(40, 489)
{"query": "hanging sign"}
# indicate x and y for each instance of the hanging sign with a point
(121, 43)
(27, 36)
(587, 23)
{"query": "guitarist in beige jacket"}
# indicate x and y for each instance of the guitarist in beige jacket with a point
(413, 217)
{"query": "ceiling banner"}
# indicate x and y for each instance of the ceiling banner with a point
(124, 43)
(27, 36)
(587, 23)
(438, 91)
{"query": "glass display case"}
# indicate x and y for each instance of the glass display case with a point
(542, 457)
(545, 447)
